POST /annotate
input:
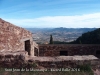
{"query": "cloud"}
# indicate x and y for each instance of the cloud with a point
(86, 20)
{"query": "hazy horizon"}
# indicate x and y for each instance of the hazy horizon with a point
(60, 27)
(51, 13)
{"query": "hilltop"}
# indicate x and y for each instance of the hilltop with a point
(91, 37)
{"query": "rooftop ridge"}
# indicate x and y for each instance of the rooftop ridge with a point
(1, 20)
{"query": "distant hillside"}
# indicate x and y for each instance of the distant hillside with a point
(60, 35)
(61, 29)
(38, 29)
(92, 37)
(73, 29)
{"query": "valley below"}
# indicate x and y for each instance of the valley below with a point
(42, 35)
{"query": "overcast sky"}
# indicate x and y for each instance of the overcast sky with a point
(51, 13)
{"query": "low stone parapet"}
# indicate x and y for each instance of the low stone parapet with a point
(13, 59)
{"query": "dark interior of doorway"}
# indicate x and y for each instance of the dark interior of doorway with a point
(27, 46)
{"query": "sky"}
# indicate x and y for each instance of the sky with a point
(51, 13)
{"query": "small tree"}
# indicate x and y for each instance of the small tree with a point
(51, 39)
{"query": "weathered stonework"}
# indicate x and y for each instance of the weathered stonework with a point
(16, 44)
(70, 49)
(64, 61)
(13, 38)
(13, 58)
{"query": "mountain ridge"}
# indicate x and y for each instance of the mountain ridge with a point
(91, 37)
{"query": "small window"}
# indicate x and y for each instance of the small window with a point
(98, 53)
(63, 53)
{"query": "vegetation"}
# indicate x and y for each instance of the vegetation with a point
(64, 34)
(85, 68)
(51, 39)
(92, 37)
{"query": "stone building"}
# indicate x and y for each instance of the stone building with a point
(17, 47)
(14, 38)
(69, 50)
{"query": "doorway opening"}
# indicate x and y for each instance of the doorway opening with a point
(63, 53)
(27, 46)
(98, 53)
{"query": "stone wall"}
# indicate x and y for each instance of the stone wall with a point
(72, 49)
(67, 64)
(13, 58)
(64, 61)
(20, 59)
(13, 37)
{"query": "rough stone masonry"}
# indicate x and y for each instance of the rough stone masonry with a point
(14, 38)
(17, 46)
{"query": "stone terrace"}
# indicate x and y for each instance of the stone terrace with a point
(70, 49)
